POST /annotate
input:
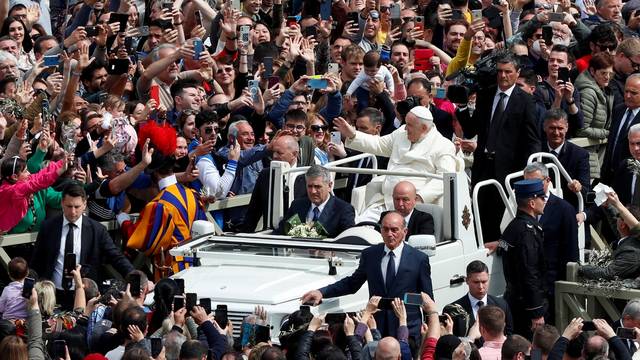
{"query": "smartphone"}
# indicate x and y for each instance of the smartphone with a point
(325, 11)
(91, 31)
(268, 66)
(206, 304)
(457, 94)
(588, 326)
(443, 319)
(273, 80)
(248, 334)
(122, 19)
(353, 16)
(178, 302)
(420, 23)
(395, 11)
(232, 139)
(69, 264)
(476, 15)
(385, 54)
(412, 299)
(626, 333)
(198, 47)
(456, 14)
(134, 284)
(245, 30)
(439, 93)
(317, 83)
(385, 304)
(335, 318)
(422, 59)
(563, 74)
(59, 349)
(547, 35)
(191, 300)
(305, 309)
(262, 334)
(199, 18)
(292, 20)
(554, 16)
(254, 88)
(311, 31)
(167, 4)
(334, 68)
(336, 137)
(51, 60)
(495, 2)
(220, 315)
(180, 283)
(118, 66)
(156, 346)
(235, 4)
(27, 287)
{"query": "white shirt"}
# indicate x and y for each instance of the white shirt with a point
(77, 236)
(320, 208)
(496, 98)
(406, 218)
(166, 182)
(474, 304)
(557, 150)
(385, 260)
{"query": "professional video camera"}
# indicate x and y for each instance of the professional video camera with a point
(475, 79)
(407, 104)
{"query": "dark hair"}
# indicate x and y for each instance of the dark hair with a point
(426, 84)
(295, 115)
(321, 339)
(6, 328)
(273, 353)
(508, 58)
(136, 352)
(371, 59)
(492, 318)
(563, 48)
(192, 349)
(37, 46)
(530, 30)
(133, 316)
(87, 73)
(554, 114)
(90, 288)
(107, 162)
(163, 294)
(206, 117)
(601, 60)
(6, 81)
(18, 268)
(76, 342)
(476, 266)
(451, 23)
(178, 87)
(513, 345)
(74, 189)
(544, 337)
(529, 75)
(11, 166)
(375, 116)
(603, 34)
(331, 352)
(27, 45)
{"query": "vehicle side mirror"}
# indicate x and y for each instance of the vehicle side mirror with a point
(424, 243)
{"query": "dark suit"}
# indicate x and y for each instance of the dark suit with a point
(576, 161)
(259, 204)
(491, 300)
(420, 223)
(336, 217)
(515, 139)
(560, 233)
(625, 264)
(622, 184)
(443, 121)
(96, 248)
(413, 276)
(613, 156)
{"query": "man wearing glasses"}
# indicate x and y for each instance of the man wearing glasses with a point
(625, 63)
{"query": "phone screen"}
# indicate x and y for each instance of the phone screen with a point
(268, 66)
(221, 315)
(178, 302)
(563, 74)
(199, 17)
(69, 264)
(27, 287)
(588, 326)
(156, 346)
(134, 284)
(317, 83)
(262, 334)
(626, 333)
(206, 304)
(412, 299)
(192, 298)
(180, 283)
(547, 35)
(385, 304)
(305, 309)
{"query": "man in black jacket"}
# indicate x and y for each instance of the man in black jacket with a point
(404, 202)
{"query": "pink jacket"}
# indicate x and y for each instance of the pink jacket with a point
(17, 195)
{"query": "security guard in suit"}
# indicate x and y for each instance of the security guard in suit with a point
(522, 251)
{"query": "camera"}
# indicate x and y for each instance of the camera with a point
(407, 104)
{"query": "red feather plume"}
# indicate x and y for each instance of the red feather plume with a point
(162, 137)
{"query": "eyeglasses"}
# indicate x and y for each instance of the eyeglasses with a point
(634, 65)
(385, 8)
(227, 70)
(318, 128)
(210, 129)
(296, 127)
(298, 103)
(607, 47)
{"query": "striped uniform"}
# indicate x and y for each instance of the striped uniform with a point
(164, 223)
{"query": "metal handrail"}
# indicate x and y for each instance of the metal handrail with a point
(563, 172)
(476, 210)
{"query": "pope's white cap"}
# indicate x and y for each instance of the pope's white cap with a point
(422, 112)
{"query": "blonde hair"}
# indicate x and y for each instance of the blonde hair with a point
(46, 291)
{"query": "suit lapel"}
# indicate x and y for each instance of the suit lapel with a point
(304, 208)
(85, 240)
(328, 211)
(401, 266)
(378, 265)
(412, 220)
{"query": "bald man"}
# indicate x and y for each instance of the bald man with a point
(388, 349)
(404, 202)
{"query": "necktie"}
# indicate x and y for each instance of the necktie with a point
(68, 244)
(316, 214)
(480, 304)
(622, 130)
(635, 199)
(496, 121)
(554, 153)
(391, 271)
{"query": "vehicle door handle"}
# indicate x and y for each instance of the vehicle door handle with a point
(457, 279)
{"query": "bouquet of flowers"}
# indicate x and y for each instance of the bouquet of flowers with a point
(294, 227)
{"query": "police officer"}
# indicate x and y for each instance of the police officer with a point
(523, 263)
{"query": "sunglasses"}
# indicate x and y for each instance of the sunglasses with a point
(210, 130)
(607, 47)
(318, 128)
(385, 8)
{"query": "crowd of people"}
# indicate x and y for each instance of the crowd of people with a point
(158, 108)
